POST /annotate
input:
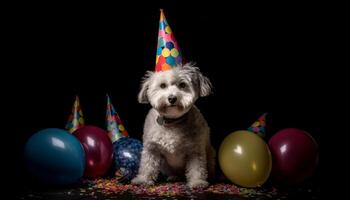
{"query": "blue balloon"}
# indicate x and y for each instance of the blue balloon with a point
(55, 156)
(126, 158)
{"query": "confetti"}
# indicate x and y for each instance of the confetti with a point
(111, 186)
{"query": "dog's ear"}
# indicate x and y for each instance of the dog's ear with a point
(142, 97)
(204, 84)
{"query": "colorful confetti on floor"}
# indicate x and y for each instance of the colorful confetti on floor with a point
(109, 188)
(177, 189)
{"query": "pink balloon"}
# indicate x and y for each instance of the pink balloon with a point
(98, 150)
(294, 155)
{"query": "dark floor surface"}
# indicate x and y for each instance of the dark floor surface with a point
(308, 190)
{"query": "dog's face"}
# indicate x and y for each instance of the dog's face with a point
(173, 92)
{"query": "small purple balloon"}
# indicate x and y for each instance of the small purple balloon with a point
(294, 156)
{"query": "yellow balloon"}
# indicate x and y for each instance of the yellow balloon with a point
(245, 159)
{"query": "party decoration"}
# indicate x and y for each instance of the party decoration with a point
(115, 127)
(168, 50)
(127, 155)
(98, 150)
(179, 190)
(295, 155)
(258, 127)
(245, 159)
(54, 156)
(76, 119)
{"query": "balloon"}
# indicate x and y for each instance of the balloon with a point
(54, 156)
(295, 155)
(245, 159)
(98, 150)
(126, 158)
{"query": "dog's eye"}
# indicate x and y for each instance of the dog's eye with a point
(182, 85)
(163, 85)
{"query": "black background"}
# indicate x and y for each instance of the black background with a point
(259, 57)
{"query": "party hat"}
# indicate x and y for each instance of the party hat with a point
(168, 51)
(258, 126)
(115, 126)
(76, 119)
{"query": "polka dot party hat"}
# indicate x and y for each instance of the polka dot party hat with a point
(76, 119)
(115, 126)
(168, 51)
(258, 126)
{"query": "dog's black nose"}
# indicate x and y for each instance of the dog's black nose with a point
(172, 99)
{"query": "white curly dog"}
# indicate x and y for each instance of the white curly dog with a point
(176, 139)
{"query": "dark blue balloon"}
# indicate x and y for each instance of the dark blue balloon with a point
(55, 156)
(126, 158)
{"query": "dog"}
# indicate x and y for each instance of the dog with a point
(176, 140)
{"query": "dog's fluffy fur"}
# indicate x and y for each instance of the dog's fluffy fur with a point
(183, 147)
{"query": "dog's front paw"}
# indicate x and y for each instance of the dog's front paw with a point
(197, 184)
(139, 180)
